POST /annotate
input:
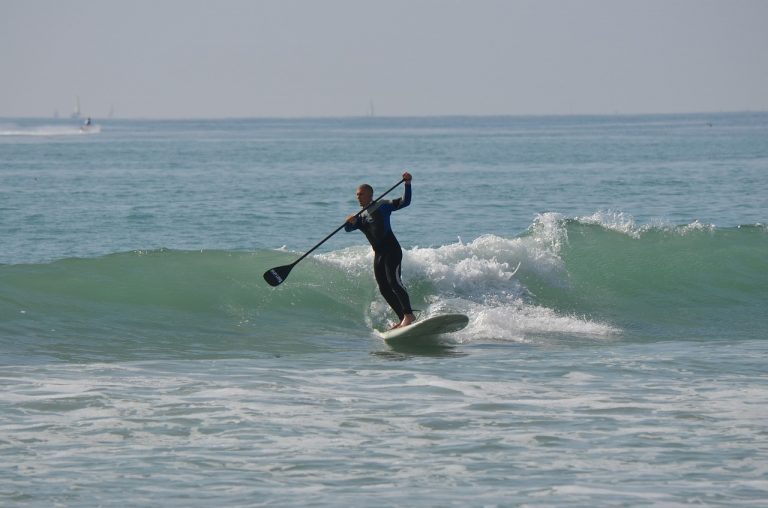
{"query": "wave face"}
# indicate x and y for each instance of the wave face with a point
(599, 277)
(663, 281)
(591, 278)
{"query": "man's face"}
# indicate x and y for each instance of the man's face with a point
(364, 196)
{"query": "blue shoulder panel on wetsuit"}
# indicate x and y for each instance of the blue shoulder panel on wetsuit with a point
(375, 221)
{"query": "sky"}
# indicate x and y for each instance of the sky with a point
(327, 58)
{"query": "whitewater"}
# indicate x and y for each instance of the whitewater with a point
(614, 270)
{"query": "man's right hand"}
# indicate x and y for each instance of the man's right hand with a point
(352, 219)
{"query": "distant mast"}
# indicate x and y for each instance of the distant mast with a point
(371, 111)
(76, 113)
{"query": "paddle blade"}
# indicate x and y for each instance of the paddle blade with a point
(275, 276)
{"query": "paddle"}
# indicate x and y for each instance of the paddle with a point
(275, 276)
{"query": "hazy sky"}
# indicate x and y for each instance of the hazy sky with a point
(288, 58)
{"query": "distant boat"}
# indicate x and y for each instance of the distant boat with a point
(76, 113)
(371, 111)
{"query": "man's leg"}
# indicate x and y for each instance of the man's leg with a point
(392, 266)
(385, 287)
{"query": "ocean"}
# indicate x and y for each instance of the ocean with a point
(144, 361)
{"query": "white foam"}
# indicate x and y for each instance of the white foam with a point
(696, 226)
(624, 223)
(478, 278)
(549, 231)
(352, 260)
(519, 322)
(487, 264)
(49, 130)
(614, 221)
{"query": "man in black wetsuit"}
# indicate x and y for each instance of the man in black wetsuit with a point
(375, 223)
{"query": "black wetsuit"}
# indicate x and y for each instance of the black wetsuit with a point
(375, 223)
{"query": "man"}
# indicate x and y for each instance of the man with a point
(374, 222)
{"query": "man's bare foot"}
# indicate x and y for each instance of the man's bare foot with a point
(407, 320)
(395, 325)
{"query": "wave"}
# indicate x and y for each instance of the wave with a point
(663, 281)
(594, 278)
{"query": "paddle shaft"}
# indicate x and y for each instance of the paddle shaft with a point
(340, 227)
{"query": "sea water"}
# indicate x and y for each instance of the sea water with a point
(145, 362)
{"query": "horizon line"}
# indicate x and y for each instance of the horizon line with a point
(363, 116)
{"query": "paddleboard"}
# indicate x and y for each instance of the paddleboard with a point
(430, 327)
